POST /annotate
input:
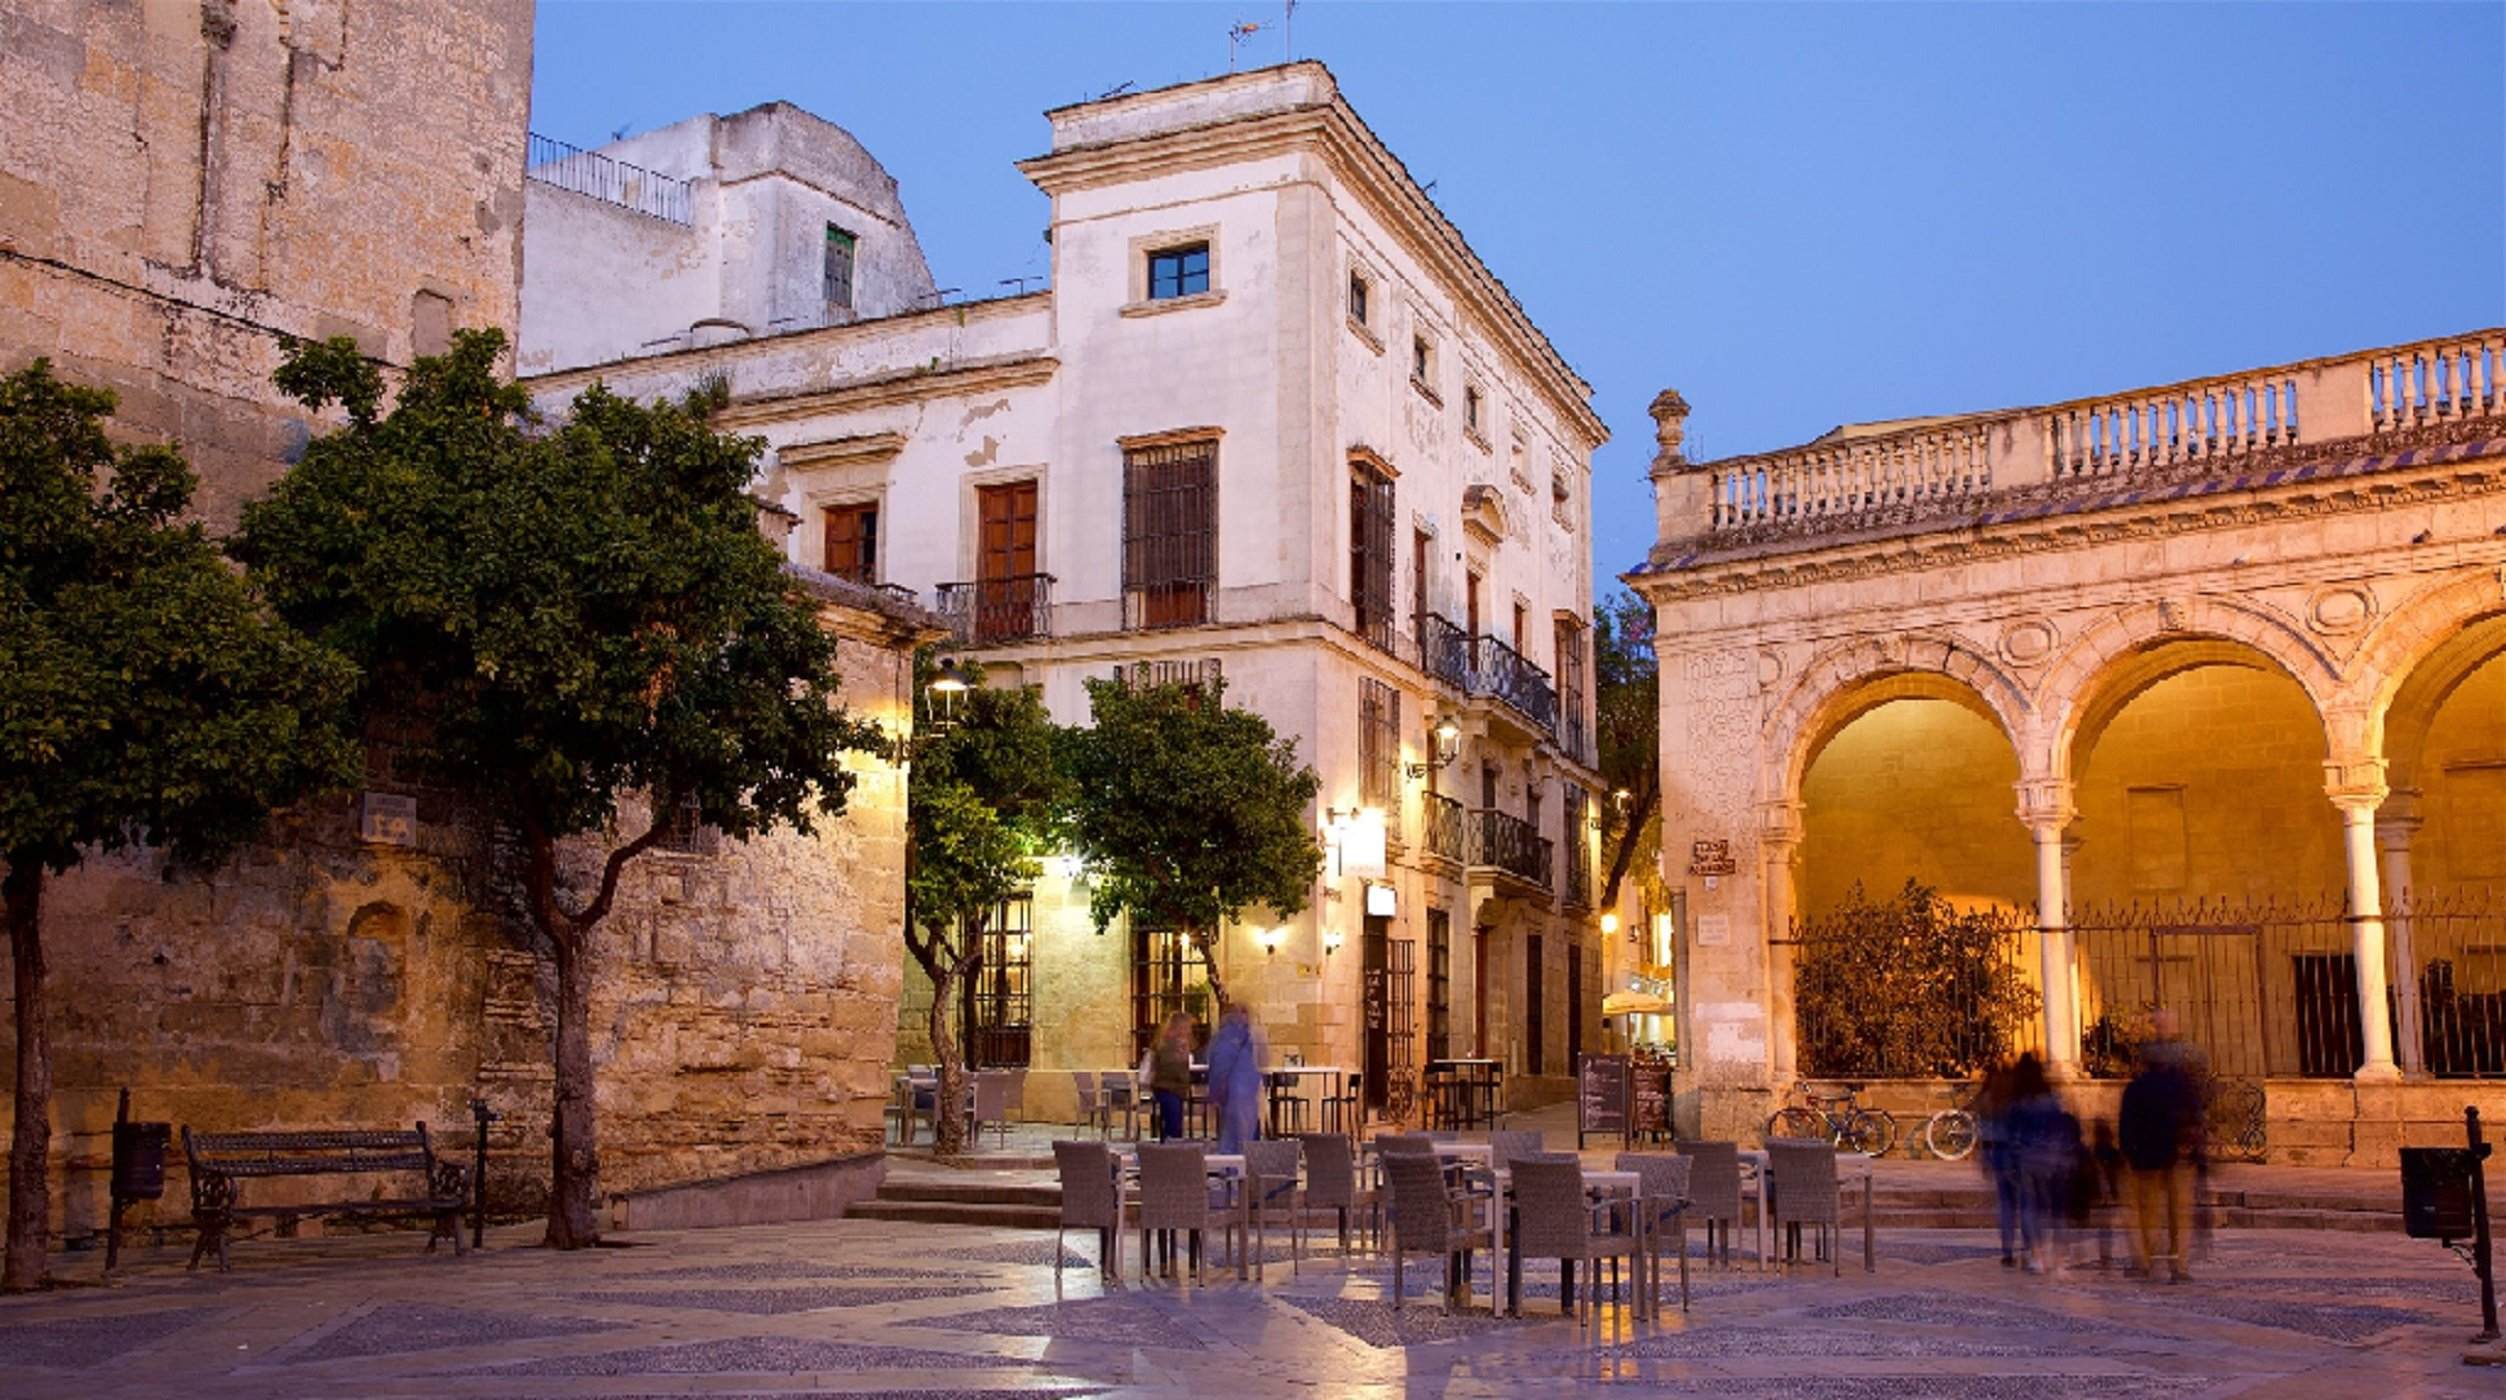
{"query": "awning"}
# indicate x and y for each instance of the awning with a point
(1634, 1004)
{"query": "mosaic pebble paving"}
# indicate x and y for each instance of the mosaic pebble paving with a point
(1935, 1387)
(1379, 1324)
(1763, 1341)
(746, 1354)
(771, 1302)
(778, 1270)
(1957, 1310)
(90, 1339)
(413, 1327)
(1038, 1252)
(1121, 1321)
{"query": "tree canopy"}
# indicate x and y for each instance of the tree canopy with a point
(1627, 699)
(1186, 810)
(146, 696)
(553, 620)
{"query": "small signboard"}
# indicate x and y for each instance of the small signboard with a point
(1711, 859)
(1714, 930)
(1603, 1096)
(1373, 999)
(1653, 1097)
(388, 819)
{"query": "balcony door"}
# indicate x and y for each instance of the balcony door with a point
(1005, 572)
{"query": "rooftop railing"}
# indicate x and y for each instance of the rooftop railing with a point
(553, 162)
(2386, 400)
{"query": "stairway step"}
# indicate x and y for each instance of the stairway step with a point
(973, 1191)
(998, 1217)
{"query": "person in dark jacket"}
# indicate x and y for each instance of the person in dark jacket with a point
(2158, 1129)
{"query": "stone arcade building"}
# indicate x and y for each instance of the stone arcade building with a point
(2212, 674)
(1274, 421)
(182, 186)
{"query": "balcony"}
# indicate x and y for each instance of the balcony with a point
(2343, 416)
(1510, 846)
(1448, 829)
(998, 611)
(1578, 891)
(1485, 667)
(596, 176)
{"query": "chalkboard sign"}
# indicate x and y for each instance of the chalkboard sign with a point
(1602, 1096)
(1653, 1097)
(1373, 998)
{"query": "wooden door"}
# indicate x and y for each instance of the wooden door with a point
(1005, 572)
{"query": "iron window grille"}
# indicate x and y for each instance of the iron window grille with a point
(1178, 272)
(1170, 538)
(1370, 553)
(1379, 744)
(1439, 984)
(999, 994)
(1168, 974)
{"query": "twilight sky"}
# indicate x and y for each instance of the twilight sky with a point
(1799, 215)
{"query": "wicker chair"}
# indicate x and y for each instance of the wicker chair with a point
(1331, 1184)
(1507, 1148)
(1091, 1200)
(1714, 1190)
(1121, 1094)
(1345, 1112)
(1017, 1092)
(1174, 1196)
(1663, 1202)
(1388, 1143)
(1555, 1220)
(1271, 1189)
(1091, 1108)
(991, 1105)
(1431, 1217)
(1804, 1193)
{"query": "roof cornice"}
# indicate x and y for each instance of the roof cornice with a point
(913, 386)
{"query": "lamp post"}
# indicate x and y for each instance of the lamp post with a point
(945, 691)
(1444, 745)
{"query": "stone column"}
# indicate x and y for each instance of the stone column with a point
(2045, 806)
(2395, 827)
(1779, 848)
(2356, 787)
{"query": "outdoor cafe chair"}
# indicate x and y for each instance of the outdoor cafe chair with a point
(1342, 1112)
(1174, 1198)
(1505, 1148)
(1331, 1184)
(1287, 1105)
(1091, 1110)
(1271, 1189)
(1121, 1095)
(1430, 1216)
(1714, 1190)
(1556, 1220)
(990, 1107)
(1804, 1193)
(1091, 1200)
(1662, 1200)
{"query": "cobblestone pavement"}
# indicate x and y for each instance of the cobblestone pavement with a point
(861, 1307)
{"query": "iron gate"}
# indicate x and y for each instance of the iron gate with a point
(2265, 990)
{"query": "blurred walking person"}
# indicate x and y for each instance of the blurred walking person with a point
(2039, 1134)
(1236, 1072)
(2159, 1130)
(1170, 1074)
(2000, 1161)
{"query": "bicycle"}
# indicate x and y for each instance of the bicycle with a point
(1951, 1133)
(1838, 1119)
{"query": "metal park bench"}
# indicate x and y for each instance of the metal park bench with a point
(221, 1162)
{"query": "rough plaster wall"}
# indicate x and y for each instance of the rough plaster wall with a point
(180, 184)
(1916, 789)
(741, 1017)
(600, 281)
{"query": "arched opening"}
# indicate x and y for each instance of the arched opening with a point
(2207, 870)
(2443, 843)
(1912, 778)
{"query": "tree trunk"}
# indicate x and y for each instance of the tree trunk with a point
(1209, 961)
(30, 1140)
(1638, 814)
(574, 1181)
(948, 1123)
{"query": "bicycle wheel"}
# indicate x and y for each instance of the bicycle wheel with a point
(1950, 1134)
(1799, 1123)
(1869, 1130)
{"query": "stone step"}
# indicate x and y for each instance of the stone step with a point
(978, 1213)
(973, 1189)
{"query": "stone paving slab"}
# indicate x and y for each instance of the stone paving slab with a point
(867, 1307)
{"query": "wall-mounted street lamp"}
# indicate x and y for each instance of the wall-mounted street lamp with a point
(1444, 744)
(1270, 938)
(1609, 924)
(1621, 799)
(946, 691)
(1331, 941)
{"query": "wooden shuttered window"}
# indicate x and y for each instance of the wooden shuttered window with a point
(852, 542)
(1170, 533)
(1370, 552)
(1379, 746)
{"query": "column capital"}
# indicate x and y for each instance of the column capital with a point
(2355, 784)
(2046, 806)
(1779, 824)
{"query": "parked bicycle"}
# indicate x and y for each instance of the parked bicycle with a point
(1951, 1133)
(1836, 1118)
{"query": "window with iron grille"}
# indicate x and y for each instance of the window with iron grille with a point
(999, 1016)
(1170, 538)
(1178, 272)
(1379, 745)
(1370, 552)
(839, 267)
(1168, 974)
(684, 830)
(1573, 646)
(1439, 984)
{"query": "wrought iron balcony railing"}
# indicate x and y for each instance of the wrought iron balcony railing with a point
(998, 611)
(1575, 736)
(1448, 828)
(1578, 875)
(553, 162)
(1503, 841)
(1507, 675)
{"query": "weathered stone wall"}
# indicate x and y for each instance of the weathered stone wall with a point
(183, 184)
(743, 1008)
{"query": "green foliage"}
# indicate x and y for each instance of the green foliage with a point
(1627, 704)
(1187, 810)
(556, 618)
(984, 805)
(146, 693)
(1909, 989)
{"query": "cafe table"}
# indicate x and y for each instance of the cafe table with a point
(1597, 1182)
(1848, 1165)
(1335, 1085)
(1472, 1077)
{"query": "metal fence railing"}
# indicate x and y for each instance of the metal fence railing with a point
(567, 167)
(1913, 989)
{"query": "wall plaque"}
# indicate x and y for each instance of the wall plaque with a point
(388, 819)
(1711, 858)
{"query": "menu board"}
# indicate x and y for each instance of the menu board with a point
(1653, 1097)
(1602, 1096)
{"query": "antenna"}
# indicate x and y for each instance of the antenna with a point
(1237, 33)
(1116, 90)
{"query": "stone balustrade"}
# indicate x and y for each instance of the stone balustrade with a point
(1952, 470)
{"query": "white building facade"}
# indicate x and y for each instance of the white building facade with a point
(1275, 422)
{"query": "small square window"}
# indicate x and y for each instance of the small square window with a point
(1470, 407)
(1179, 272)
(1357, 298)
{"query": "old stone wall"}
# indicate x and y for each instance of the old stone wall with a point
(183, 184)
(743, 1010)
